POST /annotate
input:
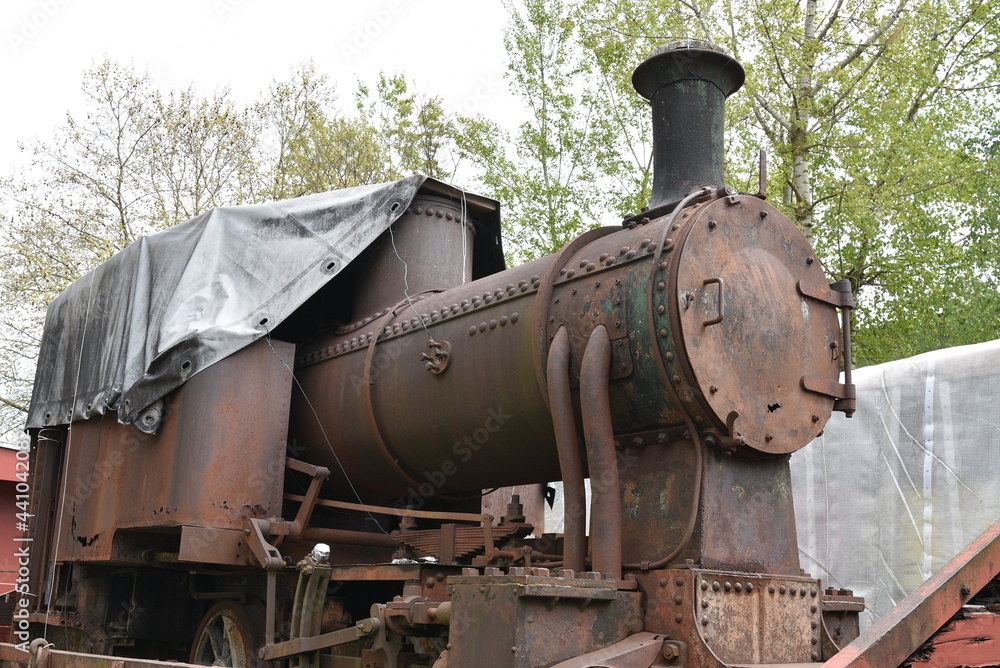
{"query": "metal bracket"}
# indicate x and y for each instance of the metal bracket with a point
(840, 295)
(319, 475)
(437, 361)
(263, 552)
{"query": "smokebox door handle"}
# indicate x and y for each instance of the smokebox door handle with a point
(721, 301)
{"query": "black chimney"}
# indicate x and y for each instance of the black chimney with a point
(687, 84)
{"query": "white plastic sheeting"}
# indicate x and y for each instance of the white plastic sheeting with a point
(886, 498)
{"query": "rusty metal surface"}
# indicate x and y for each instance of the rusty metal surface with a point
(598, 430)
(568, 446)
(890, 640)
(432, 238)
(757, 619)
(218, 458)
(211, 545)
(561, 619)
(973, 640)
(770, 336)
(636, 651)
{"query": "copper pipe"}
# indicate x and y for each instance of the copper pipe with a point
(568, 447)
(605, 499)
(350, 537)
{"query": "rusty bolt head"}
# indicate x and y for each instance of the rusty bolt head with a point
(966, 590)
(712, 224)
(763, 214)
(810, 260)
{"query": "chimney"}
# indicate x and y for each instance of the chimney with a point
(687, 83)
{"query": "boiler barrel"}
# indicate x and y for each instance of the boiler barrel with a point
(451, 397)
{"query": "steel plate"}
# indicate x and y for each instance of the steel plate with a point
(753, 360)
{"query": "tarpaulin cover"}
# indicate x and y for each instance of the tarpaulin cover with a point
(173, 303)
(886, 498)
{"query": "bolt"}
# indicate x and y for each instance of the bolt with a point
(810, 260)
(763, 214)
(713, 389)
(815, 418)
(670, 651)
(966, 590)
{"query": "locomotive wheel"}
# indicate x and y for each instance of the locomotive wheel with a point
(229, 635)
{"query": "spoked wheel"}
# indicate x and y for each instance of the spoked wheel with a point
(229, 635)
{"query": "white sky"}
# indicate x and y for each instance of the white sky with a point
(449, 48)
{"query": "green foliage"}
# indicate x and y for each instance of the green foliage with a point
(871, 113)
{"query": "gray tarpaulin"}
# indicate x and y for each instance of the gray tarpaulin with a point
(886, 498)
(173, 303)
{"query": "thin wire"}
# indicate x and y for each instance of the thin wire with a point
(406, 283)
(319, 423)
(65, 467)
(464, 225)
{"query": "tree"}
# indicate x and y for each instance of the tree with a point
(546, 180)
(870, 111)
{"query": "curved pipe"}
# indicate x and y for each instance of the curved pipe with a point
(605, 505)
(568, 447)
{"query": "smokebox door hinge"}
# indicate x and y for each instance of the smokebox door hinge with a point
(826, 294)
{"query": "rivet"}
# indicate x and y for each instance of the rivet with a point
(716, 586)
(676, 379)
(727, 586)
(704, 621)
(678, 599)
(503, 320)
(513, 317)
(763, 214)
(664, 265)
(590, 267)
(738, 587)
(704, 585)
(623, 250)
(670, 357)
(812, 608)
(781, 589)
(678, 618)
(571, 273)
(488, 299)
(712, 224)
(770, 589)
(813, 624)
(813, 592)
(663, 333)
(661, 309)
(663, 582)
(611, 261)
(630, 254)
(679, 582)
(583, 263)
(660, 286)
(749, 587)
(482, 327)
(814, 656)
(604, 256)
(792, 591)
(802, 592)
(675, 226)
(813, 640)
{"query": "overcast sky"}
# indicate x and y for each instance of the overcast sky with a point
(449, 48)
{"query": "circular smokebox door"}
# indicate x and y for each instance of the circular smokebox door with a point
(748, 333)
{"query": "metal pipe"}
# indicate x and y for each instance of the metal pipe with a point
(350, 537)
(568, 447)
(602, 461)
(687, 83)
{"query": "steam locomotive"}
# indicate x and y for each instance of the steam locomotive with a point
(264, 436)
